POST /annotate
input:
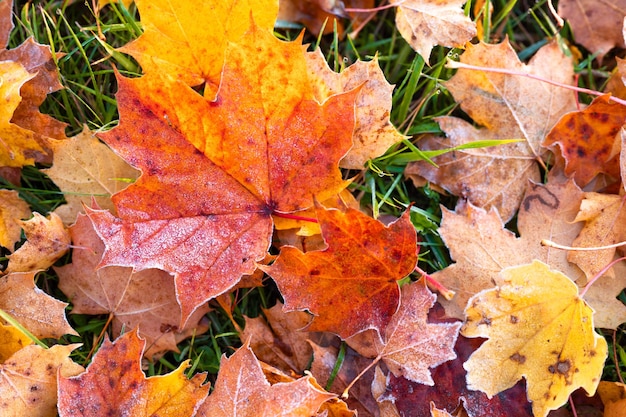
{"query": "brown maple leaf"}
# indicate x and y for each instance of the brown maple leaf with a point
(507, 108)
(145, 300)
(213, 174)
(350, 286)
(114, 384)
(241, 389)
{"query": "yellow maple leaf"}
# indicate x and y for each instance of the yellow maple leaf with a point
(538, 328)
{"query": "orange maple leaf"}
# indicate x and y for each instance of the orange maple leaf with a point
(350, 286)
(214, 172)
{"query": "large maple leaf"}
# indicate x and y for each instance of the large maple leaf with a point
(214, 172)
(351, 285)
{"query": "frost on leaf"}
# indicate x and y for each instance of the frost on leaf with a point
(537, 328)
(115, 385)
(350, 286)
(213, 174)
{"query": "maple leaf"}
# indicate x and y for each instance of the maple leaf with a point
(424, 24)
(350, 286)
(47, 240)
(596, 25)
(242, 390)
(450, 389)
(28, 380)
(12, 209)
(41, 314)
(373, 131)
(213, 174)
(145, 300)
(538, 328)
(482, 247)
(174, 43)
(507, 108)
(85, 169)
(114, 384)
(610, 312)
(587, 139)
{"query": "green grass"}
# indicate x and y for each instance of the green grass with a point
(86, 69)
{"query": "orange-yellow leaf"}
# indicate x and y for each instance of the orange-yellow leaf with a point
(115, 385)
(426, 23)
(12, 339)
(613, 395)
(12, 210)
(145, 300)
(84, 168)
(47, 240)
(213, 174)
(588, 139)
(41, 314)
(350, 286)
(242, 390)
(28, 380)
(537, 328)
(187, 40)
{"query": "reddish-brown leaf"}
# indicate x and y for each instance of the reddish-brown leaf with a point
(242, 390)
(115, 385)
(145, 300)
(350, 286)
(589, 139)
(213, 174)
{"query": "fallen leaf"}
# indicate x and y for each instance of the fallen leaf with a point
(277, 339)
(323, 14)
(547, 212)
(450, 391)
(114, 384)
(46, 241)
(12, 340)
(174, 43)
(435, 412)
(12, 209)
(552, 344)
(615, 84)
(350, 286)
(596, 25)
(242, 390)
(386, 408)
(41, 314)
(613, 396)
(587, 139)
(373, 131)
(85, 169)
(507, 108)
(604, 220)
(602, 295)
(213, 175)
(425, 23)
(28, 382)
(145, 300)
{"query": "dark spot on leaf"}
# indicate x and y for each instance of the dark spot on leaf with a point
(314, 272)
(514, 319)
(516, 357)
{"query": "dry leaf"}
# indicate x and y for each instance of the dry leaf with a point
(538, 328)
(613, 396)
(12, 209)
(46, 241)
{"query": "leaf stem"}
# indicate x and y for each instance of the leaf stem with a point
(460, 65)
(344, 394)
(599, 274)
(432, 282)
(374, 9)
(549, 243)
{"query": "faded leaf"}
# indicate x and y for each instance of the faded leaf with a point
(604, 218)
(373, 131)
(41, 314)
(114, 384)
(28, 382)
(597, 25)
(175, 44)
(506, 107)
(588, 138)
(242, 390)
(350, 286)
(412, 345)
(277, 340)
(426, 23)
(12, 210)
(85, 169)
(552, 344)
(233, 168)
(47, 240)
(602, 297)
(145, 300)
